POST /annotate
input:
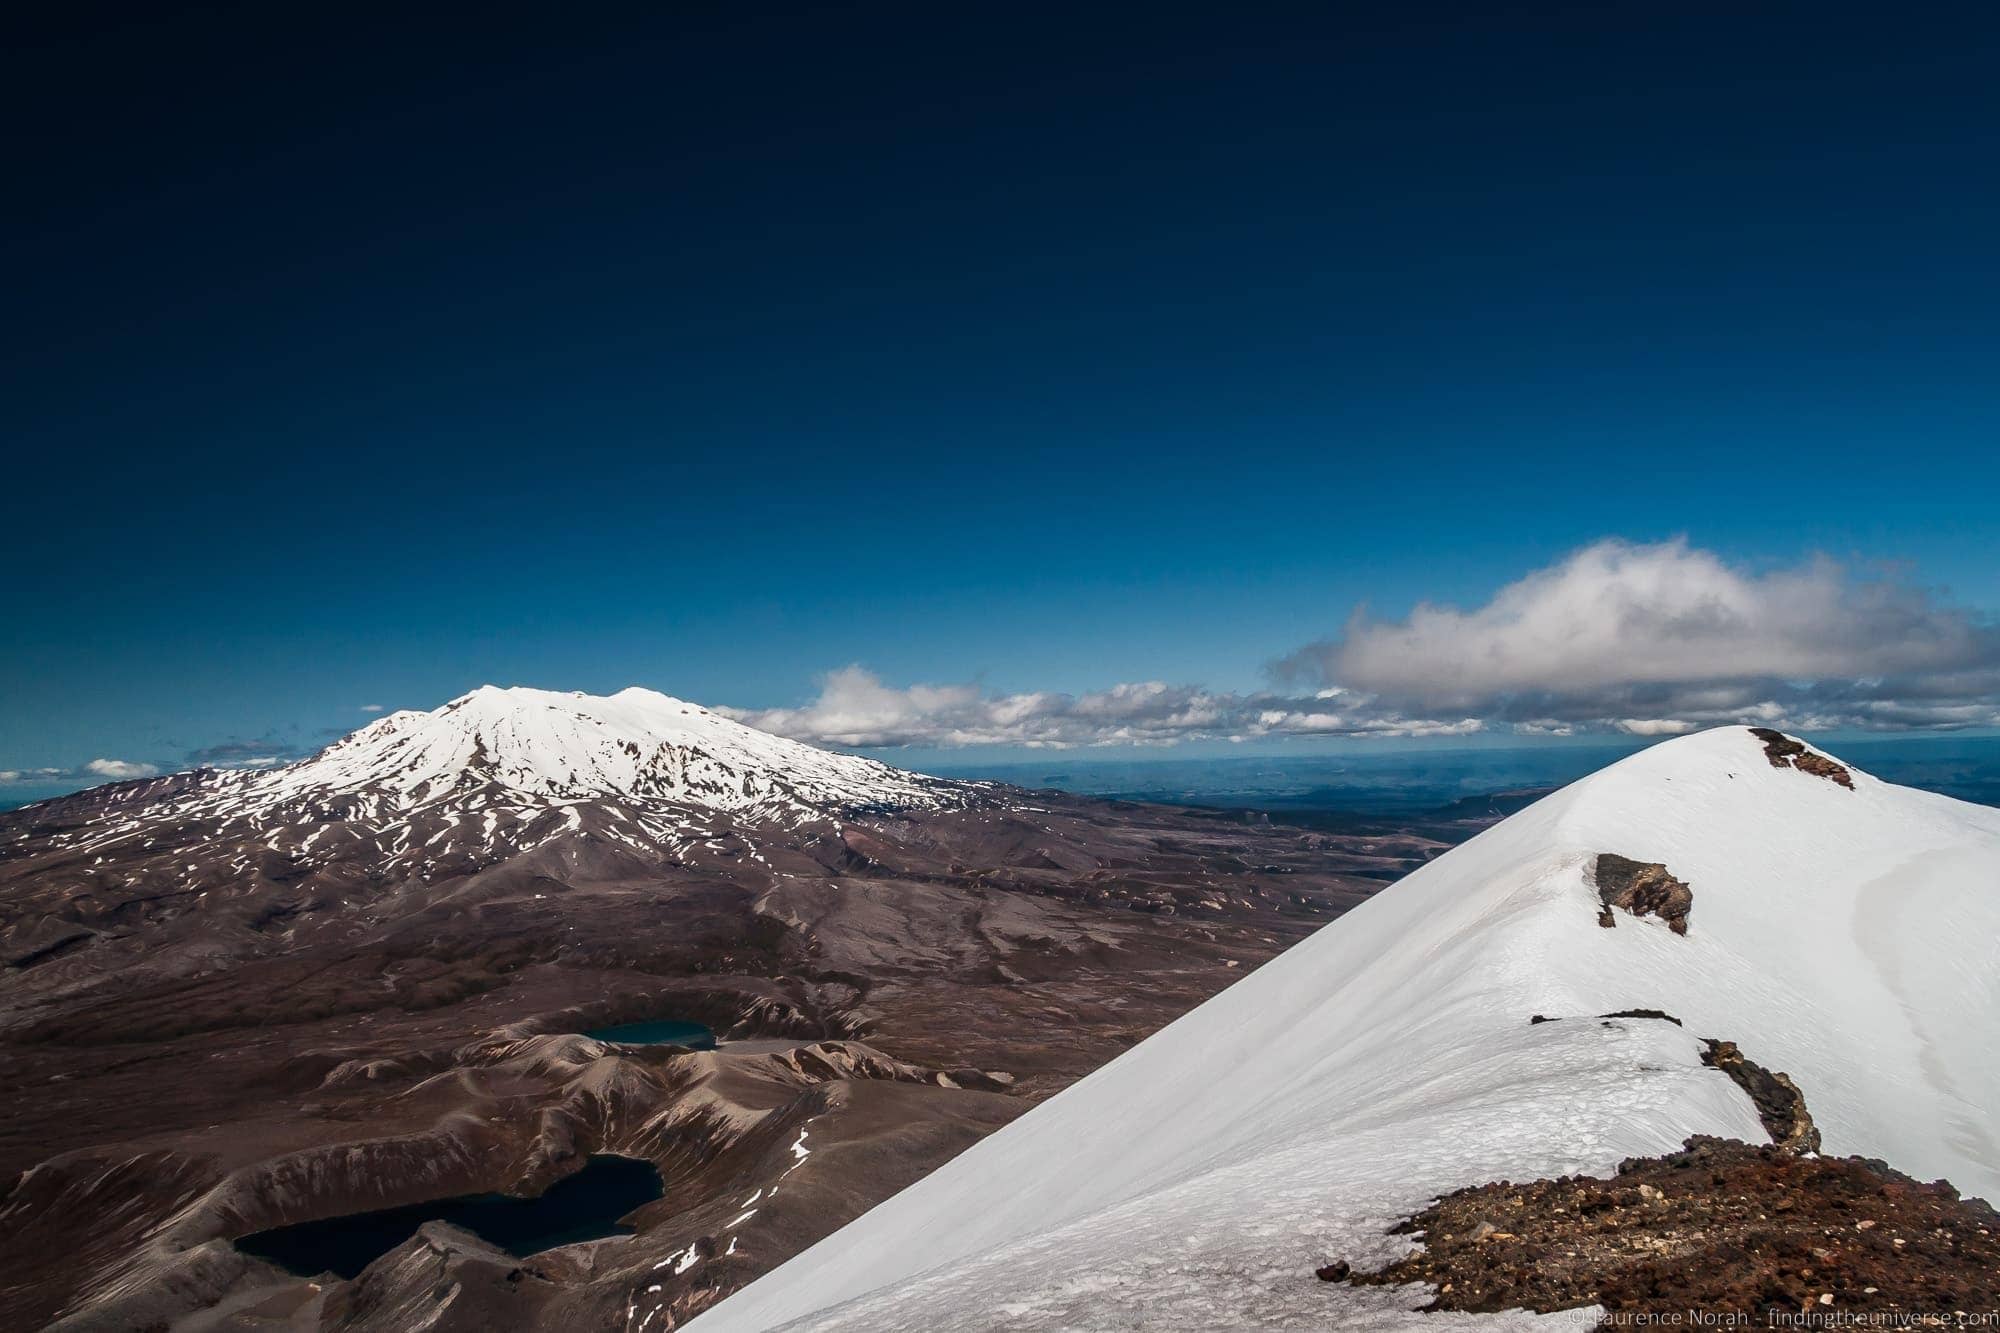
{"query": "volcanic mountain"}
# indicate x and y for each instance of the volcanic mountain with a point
(421, 799)
(494, 773)
(232, 1001)
(1729, 935)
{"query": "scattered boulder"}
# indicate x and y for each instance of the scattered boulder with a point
(1643, 888)
(1784, 752)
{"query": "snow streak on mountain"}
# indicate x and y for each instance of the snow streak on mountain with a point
(1834, 927)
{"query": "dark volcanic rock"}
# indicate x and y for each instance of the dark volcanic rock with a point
(1784, 752)
(1643, 888)
(1733, 1231)
(1780, 1104)
(1660, 1014)
(1643, 1013)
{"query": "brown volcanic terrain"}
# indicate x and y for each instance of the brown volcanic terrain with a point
(206, 1032)
(1741, 1235)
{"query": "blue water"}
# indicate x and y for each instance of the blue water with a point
(659, 1032)
(585, 1206)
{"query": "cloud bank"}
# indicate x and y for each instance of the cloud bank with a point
(1616, 638)
(100, 770)
(1640, 640)
(855, 708)
(269, 752)
(1655, 639)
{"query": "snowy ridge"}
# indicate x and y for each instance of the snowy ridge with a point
(501, 771)
(1848, 937)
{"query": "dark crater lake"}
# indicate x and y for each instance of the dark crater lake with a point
(585, 1206)
(659, 1032)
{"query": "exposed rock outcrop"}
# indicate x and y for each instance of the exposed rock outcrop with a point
(1616, 1013)
(1643, 888)
(1780, 1104)
(1735, 1231)
(1784, 752)
(1643, 1013)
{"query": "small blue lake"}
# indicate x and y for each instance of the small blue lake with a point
(585, 1206)
(659, 1032)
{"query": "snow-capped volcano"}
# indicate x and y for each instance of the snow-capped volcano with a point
(1836, 928)
(490, 775)
(540, 745)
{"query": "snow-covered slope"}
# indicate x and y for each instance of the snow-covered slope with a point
(1848, 937)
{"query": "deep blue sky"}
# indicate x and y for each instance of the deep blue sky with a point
(356, 357)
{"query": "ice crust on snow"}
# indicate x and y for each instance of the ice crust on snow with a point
(1848, 938)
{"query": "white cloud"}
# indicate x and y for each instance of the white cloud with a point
(1640, 640)
(1653, 726)
(855, 708)
(32, 774)
(1616, 614)
(1643, 640)
(118, 769)
(1654, 640)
